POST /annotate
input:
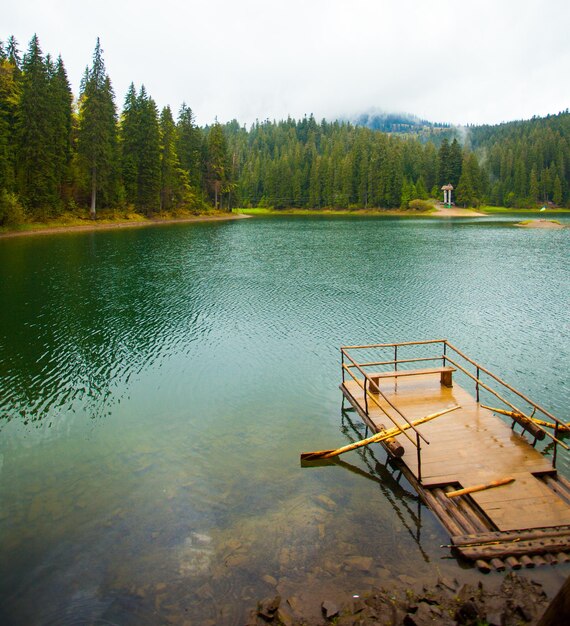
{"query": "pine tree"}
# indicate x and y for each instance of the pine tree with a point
(189, 146)
(455, 162)
(443, 164)
(9, 100)
(217, 162)
(37, 184)
(97, 136)
(406, 195)
(148, 191)
(129, 145)
(533, 189)
(13, 54)
(61, 100)
(174, 184)
(557, 191)
(469, 189)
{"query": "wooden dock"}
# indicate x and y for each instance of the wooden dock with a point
(523, 523)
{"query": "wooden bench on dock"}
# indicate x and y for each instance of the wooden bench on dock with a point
(445, 371)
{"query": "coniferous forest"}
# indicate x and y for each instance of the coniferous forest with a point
(61, 154)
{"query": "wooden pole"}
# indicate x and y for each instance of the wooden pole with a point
(381, 436)
(561, 426)
(495, 483)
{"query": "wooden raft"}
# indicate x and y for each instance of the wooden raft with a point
(523, 523)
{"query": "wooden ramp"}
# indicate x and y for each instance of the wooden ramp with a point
(526, 522)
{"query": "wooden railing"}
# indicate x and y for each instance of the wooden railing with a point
(448, 354)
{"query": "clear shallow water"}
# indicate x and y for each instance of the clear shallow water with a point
(157, 386)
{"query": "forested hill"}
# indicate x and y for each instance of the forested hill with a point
(64, 154)
(309, 164)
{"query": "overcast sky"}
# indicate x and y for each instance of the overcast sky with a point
(457, 61)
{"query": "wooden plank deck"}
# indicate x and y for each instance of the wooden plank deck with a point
(467, 447)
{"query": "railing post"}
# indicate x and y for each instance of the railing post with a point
(477, 385)
(419, 450)
(366, 396)
(444, 351)
(342, 363)
(555, 444)
(395, 358)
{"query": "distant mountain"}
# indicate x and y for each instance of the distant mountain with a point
(405, 124)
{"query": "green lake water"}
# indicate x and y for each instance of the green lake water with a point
(158, 384)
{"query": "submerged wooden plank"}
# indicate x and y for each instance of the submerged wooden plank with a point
(493, 536)
(503, 549)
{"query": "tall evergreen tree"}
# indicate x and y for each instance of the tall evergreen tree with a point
(140, 151)
(37, 184)
(9, 100)
(13, 54)
(443, 164)
(61, 101)
(129, 144)
(469, 190)
(97, 136)
(455, 162)
(189, 146)
(174, 182)
(217, 162)
(148, 193)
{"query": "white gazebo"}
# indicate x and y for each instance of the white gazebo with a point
(447, 189)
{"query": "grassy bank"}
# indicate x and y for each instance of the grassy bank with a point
(486, 209)
(401, 212)
(501, 209)
(106, 219)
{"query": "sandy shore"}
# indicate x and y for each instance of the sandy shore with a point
(442, 211)
(539, 224)
(92, 226)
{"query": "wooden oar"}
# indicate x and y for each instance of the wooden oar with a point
(561, 426)
(495, 483)
(381, 436)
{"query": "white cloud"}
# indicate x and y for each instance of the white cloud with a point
(470, 61)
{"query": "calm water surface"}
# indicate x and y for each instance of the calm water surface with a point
(157, 386)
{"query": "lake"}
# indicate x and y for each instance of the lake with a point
(158, 385)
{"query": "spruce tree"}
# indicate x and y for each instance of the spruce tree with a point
(455, 162)
(443, 164)
(97, 135)
(148, 192)
(174, 182)
(217, 162)
(557, 191)
(533, 189)
(129, 144)
(61, 100)
(9, 100)
(13, 54)
(469, 190)
(36, 181)
(189, 146)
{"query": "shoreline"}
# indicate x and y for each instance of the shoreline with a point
(514, 599)
(439, 212)
(94, 226)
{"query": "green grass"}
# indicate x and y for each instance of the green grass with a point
(502, 209)
(252, 211)
(328, 212)
(106, 217)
